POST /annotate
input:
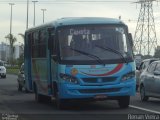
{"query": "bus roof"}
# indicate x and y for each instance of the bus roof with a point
(87, 20)
(80, 21)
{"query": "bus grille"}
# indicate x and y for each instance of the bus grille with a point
(99, 80)
(99, 90)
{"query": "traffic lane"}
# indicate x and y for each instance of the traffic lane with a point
(30, 106)
(24, 102)
(24, 105)
(152, 104)
(9, 80)
(27, 109)
(88, 117)
(21, 102)
(95, 111)
(32, 110)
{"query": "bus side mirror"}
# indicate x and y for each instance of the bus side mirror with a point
(130, 39)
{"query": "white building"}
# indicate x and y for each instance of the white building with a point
(5, 51)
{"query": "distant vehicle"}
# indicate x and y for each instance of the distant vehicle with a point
(150, 81)
(138, 60)
(144, 64)
(21, 79)
(80, 59)
(2, 70)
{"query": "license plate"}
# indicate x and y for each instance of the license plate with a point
(100, 97)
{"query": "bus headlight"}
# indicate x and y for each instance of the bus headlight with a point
(128, 76)
(68, 78)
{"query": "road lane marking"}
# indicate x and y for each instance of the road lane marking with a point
(140, 108)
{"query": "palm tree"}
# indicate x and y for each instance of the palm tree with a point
(22, 35)
(12, 41)
(22, 45)
(21, 58)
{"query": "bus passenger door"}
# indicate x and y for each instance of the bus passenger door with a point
(27, 62)
(52, 62)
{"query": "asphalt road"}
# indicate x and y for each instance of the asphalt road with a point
(15, 105)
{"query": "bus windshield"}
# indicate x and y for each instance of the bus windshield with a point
(104, 42)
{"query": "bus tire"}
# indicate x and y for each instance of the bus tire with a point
(123, 101)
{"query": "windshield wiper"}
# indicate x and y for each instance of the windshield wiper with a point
(88, 54)
(112, 50)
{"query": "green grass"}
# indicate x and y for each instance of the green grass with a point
(12, 71)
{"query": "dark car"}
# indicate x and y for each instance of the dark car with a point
(144, 64)
(150, 81)
(21, 78)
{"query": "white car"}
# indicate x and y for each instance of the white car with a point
(2, 70)
(143, 66)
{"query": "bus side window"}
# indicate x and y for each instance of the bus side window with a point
(52, 43)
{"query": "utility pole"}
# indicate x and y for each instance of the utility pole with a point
(11, 4)
(145, 35)
(34, 12)
(27, 14)
(43, 10)
(10, 35)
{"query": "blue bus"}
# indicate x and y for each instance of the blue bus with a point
(80, 58)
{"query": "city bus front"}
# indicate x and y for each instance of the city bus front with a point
(95, 62)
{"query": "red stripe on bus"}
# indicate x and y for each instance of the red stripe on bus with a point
(116, 69)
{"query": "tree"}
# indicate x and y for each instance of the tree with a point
(22, 35)
(21, 58)
(12, 41)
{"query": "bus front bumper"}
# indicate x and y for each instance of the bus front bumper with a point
(70, 91)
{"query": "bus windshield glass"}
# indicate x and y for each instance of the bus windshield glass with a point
(104, 42)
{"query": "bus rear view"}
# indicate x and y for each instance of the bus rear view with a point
(89, 59)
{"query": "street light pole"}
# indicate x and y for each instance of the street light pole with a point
(34, 12)
(11, 4)
(10, 35)
(27, 13)
(43, 10)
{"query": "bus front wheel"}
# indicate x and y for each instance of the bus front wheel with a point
(123, 101)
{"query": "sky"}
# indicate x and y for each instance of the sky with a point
(55, 9)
